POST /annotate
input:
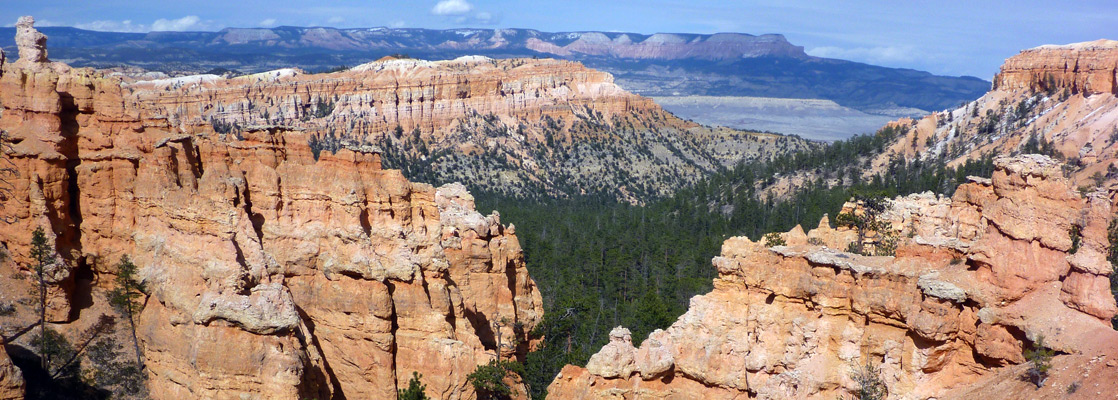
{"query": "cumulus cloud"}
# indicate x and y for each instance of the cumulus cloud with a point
(185, 23)
(190, 22)
(112, 26)
(875, 55)
(452, 7)
(270, 22)
(335, 20)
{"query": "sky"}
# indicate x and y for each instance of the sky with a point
(945, 37)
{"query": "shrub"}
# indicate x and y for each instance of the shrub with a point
(489, 380)
(1076, 235)
(415, 389)
(1039, 358)
(870, 385)
(854, 247)
(774, 239)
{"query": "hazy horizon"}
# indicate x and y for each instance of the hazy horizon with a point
(971, 39)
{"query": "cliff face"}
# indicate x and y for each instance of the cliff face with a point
(1060, 97)
(1056, 100)
(270, 274)
(11, 378)
(976, 280)
(519, 126)
(1088, 67)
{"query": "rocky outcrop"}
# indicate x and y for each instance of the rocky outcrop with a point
(524, 126)
(1057, 100)
(1087, 67)
(975, 281)
(270, 273)
(32, 45)
(11, 378)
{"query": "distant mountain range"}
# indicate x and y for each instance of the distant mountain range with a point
(662, 64)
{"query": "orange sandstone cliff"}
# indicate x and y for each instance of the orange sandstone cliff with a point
(1061, 100)
(270, 274)
(1064, 95)
(976, 280)
(517, 126)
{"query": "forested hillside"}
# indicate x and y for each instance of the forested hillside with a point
(600, 264)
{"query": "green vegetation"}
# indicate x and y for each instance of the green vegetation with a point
(1076, 235)
(1039, 358)
(600, 264)
(126, 299)
(870, 385)
(415, 389)
(489, 380)
(42, 254)
(773, 239)
(867, 221)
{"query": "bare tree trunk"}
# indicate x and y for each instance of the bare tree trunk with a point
(135, 341)
(43, 357)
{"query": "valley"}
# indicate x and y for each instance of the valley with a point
(486, 227)
(808, 118)
(656, 65)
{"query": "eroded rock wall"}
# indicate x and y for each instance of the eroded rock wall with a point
(976, 280)
(270, 274)
(11, 378)
(1088, 67)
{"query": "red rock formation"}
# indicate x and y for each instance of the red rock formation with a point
(542, 123)
(1062, 95)
(982, 277)
(1088, 67)
(11, 379)
(270, 274)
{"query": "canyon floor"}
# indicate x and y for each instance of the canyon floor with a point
(808, 118)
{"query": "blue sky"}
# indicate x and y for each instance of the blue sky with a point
(944, 37)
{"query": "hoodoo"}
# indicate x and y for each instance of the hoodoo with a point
(976, 280)
(271, 274)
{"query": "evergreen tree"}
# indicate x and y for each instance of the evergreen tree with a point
(44, 258)
(126, 299)
(415, 389)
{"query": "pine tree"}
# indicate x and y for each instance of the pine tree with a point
(126, 298)
(43, 257)
(415, 389)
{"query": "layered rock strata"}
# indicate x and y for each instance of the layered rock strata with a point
(270, 273)
(976, 280)
(1088, 67)
(522, 126)
(1065, 96)
(1058, 100)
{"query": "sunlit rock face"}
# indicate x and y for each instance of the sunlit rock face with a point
(976, 279)
(270, 274)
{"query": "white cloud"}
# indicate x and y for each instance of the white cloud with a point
(335, 20)
(879, 54)
(185, 23)
(483, 17)
(190, 22)
(112, 26)
(452, 7)
(270, 22)
(397, 24)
